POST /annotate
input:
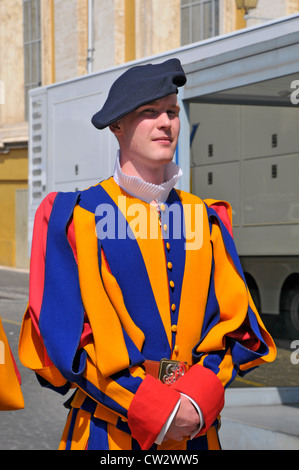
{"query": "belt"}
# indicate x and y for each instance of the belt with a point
(166, 370)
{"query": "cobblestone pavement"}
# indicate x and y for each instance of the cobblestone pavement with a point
(281, 373)
(284, 371)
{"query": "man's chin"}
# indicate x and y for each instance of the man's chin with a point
(164, 157)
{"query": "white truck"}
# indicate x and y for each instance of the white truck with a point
(239, 142)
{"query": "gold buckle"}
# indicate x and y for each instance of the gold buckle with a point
(170, 371)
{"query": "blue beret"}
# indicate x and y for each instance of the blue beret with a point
(138, 86)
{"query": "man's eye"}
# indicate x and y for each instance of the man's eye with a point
(173, 112)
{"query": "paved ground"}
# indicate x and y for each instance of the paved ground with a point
(283, 372)
(40, 424)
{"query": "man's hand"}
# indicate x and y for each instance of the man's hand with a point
(185, 422)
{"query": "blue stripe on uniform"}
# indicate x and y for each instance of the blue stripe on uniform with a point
(98, 437)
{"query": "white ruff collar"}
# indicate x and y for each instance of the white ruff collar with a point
(144, 190)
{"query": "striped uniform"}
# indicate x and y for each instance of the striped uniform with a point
(99, 306)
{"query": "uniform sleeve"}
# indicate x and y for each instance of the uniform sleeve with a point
(73, 335)
(234, 339)
(32, 351)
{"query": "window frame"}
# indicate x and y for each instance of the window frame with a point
(32, 47)
(188, 5)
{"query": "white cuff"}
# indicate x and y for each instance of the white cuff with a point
(165, 428)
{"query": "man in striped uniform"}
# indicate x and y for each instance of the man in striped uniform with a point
(137, 297)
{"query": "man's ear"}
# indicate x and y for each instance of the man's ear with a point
(115, 127)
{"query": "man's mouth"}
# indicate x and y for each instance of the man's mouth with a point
(163, 139)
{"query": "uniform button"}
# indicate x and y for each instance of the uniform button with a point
(176, 348)
(174, 328)
(168, 246)
(171, 283)
(162, 207)
(173, 307)
(169, 265)
(165, 228)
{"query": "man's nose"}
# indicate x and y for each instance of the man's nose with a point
(164, 120)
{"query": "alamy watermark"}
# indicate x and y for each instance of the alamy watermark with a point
(135, 221)
(2, 92)
(295, 354)
(295, 94)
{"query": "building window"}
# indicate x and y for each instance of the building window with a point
(199, 20)
(32, 46)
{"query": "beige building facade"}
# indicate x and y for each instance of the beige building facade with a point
(48, 41)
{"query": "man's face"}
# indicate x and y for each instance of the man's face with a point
(149, 135)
